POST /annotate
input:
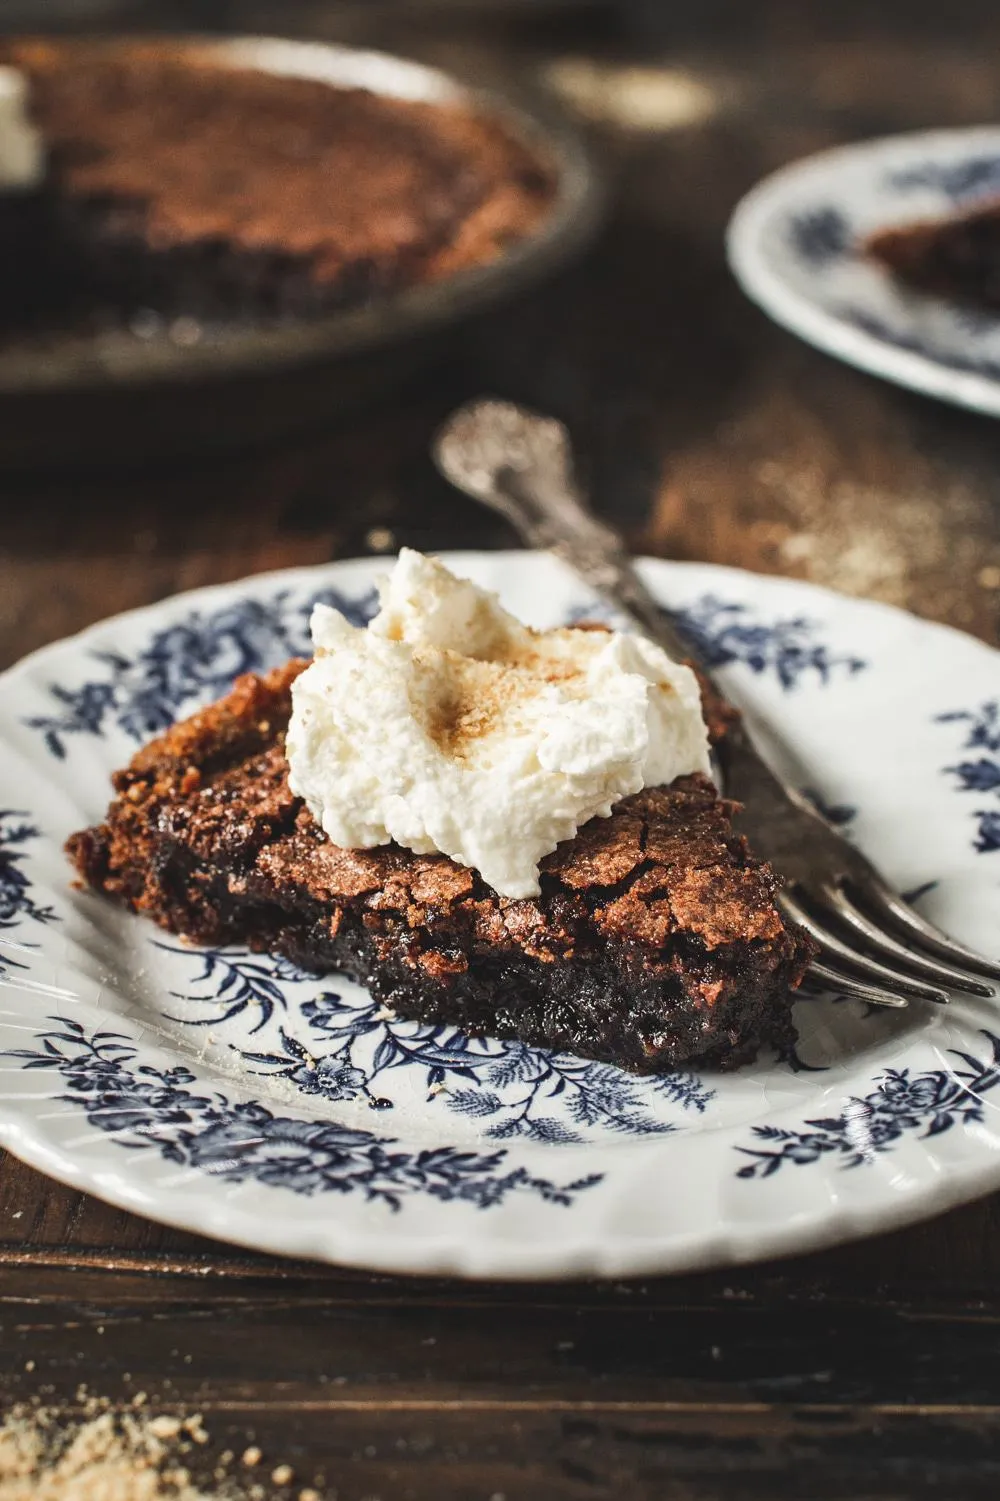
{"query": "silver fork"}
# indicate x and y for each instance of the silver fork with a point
(872, 944)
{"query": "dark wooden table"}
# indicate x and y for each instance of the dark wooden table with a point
(868, 1371)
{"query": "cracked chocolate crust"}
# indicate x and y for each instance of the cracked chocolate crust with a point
(655, 940)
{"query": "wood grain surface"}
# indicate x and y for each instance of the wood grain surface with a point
(869, 1371)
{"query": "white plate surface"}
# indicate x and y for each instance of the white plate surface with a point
(230, 1095)
(795, 246)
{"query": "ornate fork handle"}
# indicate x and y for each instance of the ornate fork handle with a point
(521, 465)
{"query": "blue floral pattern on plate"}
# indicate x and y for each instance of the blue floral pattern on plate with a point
(17, 901)
(146, 1107)
(791, 647)
(820, 234)
(353, 1046)
(967, 176)
(928, 1103)
(192, 661)
(981, 772)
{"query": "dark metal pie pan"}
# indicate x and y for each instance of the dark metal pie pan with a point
(114, 395)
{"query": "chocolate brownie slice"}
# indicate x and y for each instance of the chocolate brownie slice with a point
(957, 256)
(655, 939)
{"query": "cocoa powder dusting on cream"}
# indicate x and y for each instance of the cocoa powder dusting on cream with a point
(473, 697)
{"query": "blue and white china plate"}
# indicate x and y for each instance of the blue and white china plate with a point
(229, 1094)
(795, 246)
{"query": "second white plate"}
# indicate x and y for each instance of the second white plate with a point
(795, 241)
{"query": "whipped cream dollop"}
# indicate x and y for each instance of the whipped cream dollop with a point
(22, 156)
(447, 725)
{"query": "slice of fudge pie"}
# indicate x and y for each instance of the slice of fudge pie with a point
(957, 256)
(505, 830)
